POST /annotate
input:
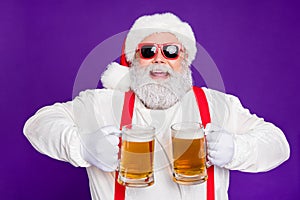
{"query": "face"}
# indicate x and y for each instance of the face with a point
(162, 38)
(157, 81)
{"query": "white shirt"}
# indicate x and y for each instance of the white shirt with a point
(259, 145)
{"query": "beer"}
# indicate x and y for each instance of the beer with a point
(136, 165)
(189, 157)
(189, 153)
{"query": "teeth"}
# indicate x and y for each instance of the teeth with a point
(159, 74)
(158, 71)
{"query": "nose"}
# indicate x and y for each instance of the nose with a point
(159, 58)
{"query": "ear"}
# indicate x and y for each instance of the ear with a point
(116, 77)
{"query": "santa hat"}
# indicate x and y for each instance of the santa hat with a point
(116, 76)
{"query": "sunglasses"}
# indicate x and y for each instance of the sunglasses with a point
(169, 50)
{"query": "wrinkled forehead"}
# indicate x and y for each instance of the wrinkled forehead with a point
(160, 38)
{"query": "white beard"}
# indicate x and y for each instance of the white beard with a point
(159, 93)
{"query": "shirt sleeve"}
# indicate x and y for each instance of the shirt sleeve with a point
(55, 130)
(259, 145)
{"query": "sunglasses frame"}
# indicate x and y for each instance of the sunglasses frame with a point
(158, 46)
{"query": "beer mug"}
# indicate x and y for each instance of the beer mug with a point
(189, 153)
(137, 156)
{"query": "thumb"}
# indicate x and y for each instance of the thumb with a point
(210, 127)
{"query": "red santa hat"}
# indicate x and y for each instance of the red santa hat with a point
(116, 76)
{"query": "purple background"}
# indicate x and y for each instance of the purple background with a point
(43, 43)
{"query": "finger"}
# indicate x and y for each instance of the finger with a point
(107, 169)
(212, 154)
(115, 165)
(108, 165)
(210, 127)
(108, 130)
(116, 150)
(114, 140)
(208, 163)
(211, 146)
(211, 160)
(213, 136)
(207, 128)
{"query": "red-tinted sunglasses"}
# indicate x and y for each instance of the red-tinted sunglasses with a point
(149, 50)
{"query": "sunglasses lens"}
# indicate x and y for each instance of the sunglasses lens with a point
(171, 51)
(148, 51)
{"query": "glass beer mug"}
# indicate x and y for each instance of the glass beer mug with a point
(137, 156)
(189, 153)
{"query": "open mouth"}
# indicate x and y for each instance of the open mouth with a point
(157, 74)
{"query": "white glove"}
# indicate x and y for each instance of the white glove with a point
(100, 148)
(220, 145)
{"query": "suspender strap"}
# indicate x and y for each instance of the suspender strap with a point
(127, 109)
(205, 118)
(202, 105)
(126, 119)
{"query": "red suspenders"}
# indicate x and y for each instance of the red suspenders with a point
(126, 119)
(205, 117)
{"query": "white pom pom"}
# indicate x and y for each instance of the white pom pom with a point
(116, 77)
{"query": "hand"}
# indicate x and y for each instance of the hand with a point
(101, 148)
(220, 145)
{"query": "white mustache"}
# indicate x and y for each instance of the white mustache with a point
(160, 68)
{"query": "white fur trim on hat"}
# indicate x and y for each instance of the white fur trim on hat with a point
(116, 76)
(157, 23)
